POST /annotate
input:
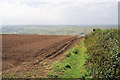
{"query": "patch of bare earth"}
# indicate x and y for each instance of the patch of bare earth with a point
(32, 55)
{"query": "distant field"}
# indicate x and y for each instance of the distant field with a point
(51, 29)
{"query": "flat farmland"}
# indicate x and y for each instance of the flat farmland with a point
(18, 49)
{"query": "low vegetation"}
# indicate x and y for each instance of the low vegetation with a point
(73, 65)
(104, 56)
(96, 56)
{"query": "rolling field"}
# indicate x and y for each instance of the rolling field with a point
(52, 29)
(20, 49)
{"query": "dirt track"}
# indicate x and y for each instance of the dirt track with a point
(17, 49)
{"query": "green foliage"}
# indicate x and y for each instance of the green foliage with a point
(102, 47)
(10, 75)
(76, 50)
(97, 57)
(72, 66)
(69, 54)
(97, 30)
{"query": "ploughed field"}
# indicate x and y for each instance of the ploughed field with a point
(17, 49)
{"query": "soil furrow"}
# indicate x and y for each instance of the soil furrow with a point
(18, 49)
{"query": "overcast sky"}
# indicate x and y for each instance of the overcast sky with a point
(54, 12)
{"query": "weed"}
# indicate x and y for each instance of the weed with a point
(73, 65)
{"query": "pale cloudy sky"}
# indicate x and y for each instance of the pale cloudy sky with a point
(55, 12)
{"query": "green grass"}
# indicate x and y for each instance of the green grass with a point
(73, 65)
(10, 75)
(97, 56)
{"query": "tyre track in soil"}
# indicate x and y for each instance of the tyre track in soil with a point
(57, 50)
(49, 52)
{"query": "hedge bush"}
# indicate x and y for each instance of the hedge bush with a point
(103, 49)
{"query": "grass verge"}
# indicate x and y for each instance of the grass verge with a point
(73, 64)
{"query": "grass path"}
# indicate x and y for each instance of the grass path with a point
(73, 65)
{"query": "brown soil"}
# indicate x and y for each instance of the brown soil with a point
(20, 53)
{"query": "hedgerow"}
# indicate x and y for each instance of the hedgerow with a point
(103, 49)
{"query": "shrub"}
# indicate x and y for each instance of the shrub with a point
(69, 54)
(76, 50)
(102, 46)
